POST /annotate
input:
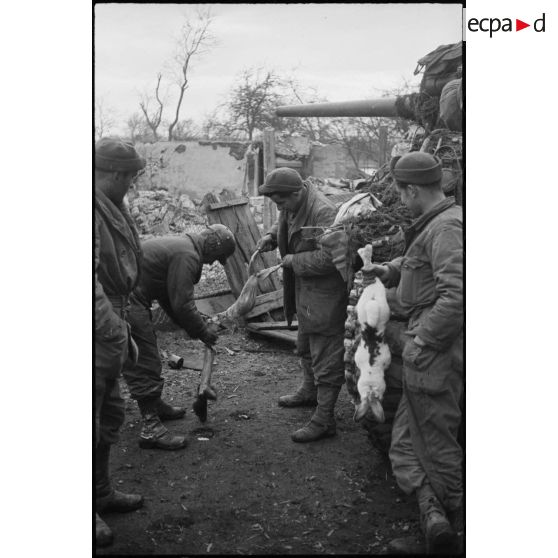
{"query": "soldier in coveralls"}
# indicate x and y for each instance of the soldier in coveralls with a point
(315, 290)
(425, 454)
(117, 265)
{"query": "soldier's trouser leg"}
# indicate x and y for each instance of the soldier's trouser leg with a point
(306, 393)
(144, 380)
(329, 373)
(109, 417)
(424, 438)
(109, 410)
(308, 385)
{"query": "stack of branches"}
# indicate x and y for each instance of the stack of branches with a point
(384, 227)
(379, 222)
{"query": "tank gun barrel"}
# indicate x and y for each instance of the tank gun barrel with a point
(375, 107)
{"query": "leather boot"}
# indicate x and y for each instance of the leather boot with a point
(153, 434)
(439, 535)
(169, 412)
(305, 395)
(103, 534)
(106, 497)
(322, 423)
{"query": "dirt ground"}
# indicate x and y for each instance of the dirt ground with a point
(243, 487)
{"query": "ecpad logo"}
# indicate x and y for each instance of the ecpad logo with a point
(493, 25)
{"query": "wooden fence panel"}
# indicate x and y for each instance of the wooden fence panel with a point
(236, 215)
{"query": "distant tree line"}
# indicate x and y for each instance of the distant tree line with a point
(249, 107)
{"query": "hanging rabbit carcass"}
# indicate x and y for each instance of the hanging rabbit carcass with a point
(367, 355)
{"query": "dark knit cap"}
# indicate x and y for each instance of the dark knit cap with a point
(281, 180)
(417, 167)
(115, 154)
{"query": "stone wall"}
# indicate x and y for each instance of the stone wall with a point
(193, 167)
(332, 160)
(256, 207)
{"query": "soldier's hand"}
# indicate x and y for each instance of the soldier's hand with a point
(209, 337)
(376, 270)
(266, 243)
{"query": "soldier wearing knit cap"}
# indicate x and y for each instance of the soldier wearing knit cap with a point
(117, 265)
(425, 454)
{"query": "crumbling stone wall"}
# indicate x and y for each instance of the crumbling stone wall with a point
(256, 207)
(193, 167)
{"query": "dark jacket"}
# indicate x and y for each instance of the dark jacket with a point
(117, 262)
(429, 276)
(171, 267)
(313, 287)
(117, 265)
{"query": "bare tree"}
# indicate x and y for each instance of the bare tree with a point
(296, 93)
(186, 130)
(153, 119)
(195, 40)
(134, 123)
(216, 125)
(252, 102)
(104, 118)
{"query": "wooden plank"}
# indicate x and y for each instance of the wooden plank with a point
(239, 219)
(229, 203)
(269, 208)
(269, 150)
(382, 145)
(235, 267)
(257, 173)
(266, 302)
(258, 326)
(288, 336)
(291, 163)
(269, 297)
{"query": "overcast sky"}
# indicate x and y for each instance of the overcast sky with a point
(346, 51)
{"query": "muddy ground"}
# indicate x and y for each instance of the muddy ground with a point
(249, 489)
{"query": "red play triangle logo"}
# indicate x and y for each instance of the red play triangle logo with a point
(519, 25)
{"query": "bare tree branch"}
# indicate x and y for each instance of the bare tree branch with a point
(104, 118)
(194, 40)
(154, 119)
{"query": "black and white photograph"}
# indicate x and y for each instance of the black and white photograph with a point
(278, 279)
(278, 265)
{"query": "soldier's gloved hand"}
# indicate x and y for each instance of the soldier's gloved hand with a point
(266, 243)
(209, 337)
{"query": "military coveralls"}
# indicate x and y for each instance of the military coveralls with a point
(117, 264)
(171, 267)
(429, 280)
(314, 289)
